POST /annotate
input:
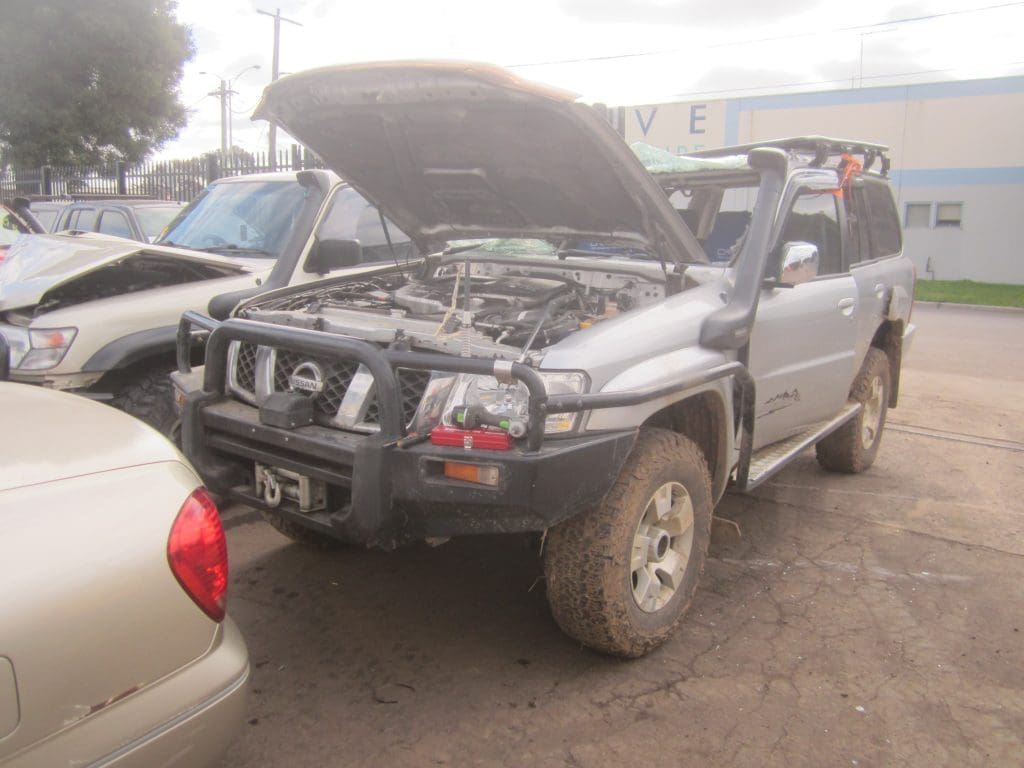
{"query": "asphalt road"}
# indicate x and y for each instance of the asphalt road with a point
(867, 620)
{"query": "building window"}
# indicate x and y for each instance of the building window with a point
(948, 214)
(918, 215)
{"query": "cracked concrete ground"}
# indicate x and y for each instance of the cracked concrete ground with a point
(867, 620)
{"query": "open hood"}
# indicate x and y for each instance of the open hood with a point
(38, 264)
(454, 150)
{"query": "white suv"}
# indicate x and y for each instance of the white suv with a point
(98, 315)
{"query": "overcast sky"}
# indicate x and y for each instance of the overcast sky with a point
(620, 52)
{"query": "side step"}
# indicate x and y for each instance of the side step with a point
(770, 459)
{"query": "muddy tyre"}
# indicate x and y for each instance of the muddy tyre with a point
(150, 398)
(852, 448)
(300, 534)
(621, 576)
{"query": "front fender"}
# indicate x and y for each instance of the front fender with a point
(122, 352)
(660, 371)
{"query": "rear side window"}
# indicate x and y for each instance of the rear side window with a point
(884, 221)
(114, 223)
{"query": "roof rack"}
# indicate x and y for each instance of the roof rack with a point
(822, 148)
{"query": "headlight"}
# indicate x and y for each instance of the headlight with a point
(512, 401)
(38, 349)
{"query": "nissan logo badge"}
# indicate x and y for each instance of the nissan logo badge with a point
(307, 377)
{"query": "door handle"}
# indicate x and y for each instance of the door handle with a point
(846, 306)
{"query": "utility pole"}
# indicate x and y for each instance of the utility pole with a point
(222, 94)
(278, 18)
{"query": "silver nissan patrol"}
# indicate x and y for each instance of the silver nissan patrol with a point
(600, 342)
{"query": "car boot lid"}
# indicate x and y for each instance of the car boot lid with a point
(57, 437)
(41, 263)
(454, 151)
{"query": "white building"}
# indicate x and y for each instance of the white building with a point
(957, 151)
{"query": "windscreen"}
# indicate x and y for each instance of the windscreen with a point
(153, 219)
(238, 218)
(718, 216)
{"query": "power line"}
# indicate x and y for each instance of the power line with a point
(197, 103)
(716, 91)
(751, 41)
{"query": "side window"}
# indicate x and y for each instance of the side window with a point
(886, 238)
(814, 219)
(351, 217)
(83, 219)
(114, 223)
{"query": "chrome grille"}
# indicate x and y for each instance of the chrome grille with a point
(337, 376)
(274, 367)
(245, 367)
(412, 384)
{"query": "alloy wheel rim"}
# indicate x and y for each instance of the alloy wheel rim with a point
(871, 423)
(661, 547)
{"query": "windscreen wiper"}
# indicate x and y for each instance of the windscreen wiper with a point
(230, 248)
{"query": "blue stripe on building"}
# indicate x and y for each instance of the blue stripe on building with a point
(941, 177)
(924, 91)
(898, 93)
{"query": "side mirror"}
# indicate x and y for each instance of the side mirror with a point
(328, 255)
(799, 263)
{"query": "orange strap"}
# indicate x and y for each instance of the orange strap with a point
(850, 168)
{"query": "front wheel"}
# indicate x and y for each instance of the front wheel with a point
(621, 576)
(852, 448)
(150, 398)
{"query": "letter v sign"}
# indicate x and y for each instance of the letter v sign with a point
(645, 127)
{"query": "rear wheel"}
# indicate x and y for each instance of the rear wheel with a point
(621, 576)
(852, 448)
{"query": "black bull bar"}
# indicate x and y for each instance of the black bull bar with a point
(382, 364)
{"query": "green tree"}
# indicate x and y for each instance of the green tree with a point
(88, 80)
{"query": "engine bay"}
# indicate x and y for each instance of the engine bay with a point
(505, 304)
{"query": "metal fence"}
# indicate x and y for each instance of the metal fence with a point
(164, 180)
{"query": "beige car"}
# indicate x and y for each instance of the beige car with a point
(114, 646)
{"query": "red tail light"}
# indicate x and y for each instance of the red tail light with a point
(198, 553)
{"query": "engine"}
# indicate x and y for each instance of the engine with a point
(513, 307)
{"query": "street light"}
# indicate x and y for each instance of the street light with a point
(224, 93)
